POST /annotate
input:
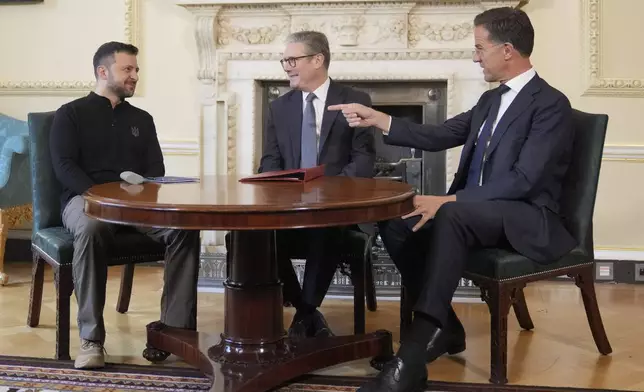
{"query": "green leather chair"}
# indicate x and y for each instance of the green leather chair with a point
(502, 274)
(51, 243)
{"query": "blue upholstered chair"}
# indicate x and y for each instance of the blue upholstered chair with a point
(15, 185)
(51, 243)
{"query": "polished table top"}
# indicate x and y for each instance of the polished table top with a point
(222, 202)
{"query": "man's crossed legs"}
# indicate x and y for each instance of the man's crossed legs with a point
(431, 262)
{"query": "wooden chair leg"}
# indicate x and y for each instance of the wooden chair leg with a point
(521, 310)
(35, 299)
(4, 229)
(497, 297)
(125, 293)
(585, 281)
(370, 286)
(64, 288)
(358, 281)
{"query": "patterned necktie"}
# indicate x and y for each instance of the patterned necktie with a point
(476, 165)
(309, 146)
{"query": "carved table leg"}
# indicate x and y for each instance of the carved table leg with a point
(253, 353)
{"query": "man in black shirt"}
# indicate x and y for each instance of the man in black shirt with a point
(93, 140)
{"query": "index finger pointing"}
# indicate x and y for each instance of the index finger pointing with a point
(341, 106)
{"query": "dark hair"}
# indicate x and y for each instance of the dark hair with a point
(315, 43)
(105, 53)
(509, 25)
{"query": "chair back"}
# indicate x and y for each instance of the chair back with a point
(580, 186)
(45, 188)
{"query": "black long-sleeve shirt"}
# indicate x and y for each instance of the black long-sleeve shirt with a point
(93, 143)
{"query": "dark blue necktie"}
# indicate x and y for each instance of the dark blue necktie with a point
(309, 146)
(476, 164)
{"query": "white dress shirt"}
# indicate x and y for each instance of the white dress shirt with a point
(318, 104)
(515, 84)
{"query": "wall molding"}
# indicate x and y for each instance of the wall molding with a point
(624, 153)
(598, 84)
(180, 147)
(74, 87)
(619, 254)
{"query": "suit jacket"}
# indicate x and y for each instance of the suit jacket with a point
(344, 150)
(526, 161)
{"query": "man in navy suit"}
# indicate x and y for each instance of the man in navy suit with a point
(517, 143)
(301, 133)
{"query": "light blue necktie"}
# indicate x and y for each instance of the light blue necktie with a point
(309, 145)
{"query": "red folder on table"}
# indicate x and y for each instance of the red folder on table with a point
(294, 175)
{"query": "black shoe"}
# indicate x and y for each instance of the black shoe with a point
(318, 326)
(439, 344)
(452, 343)
(299, 326)
(309, 325)
(398, 376)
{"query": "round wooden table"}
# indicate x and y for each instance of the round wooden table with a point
(253, 352)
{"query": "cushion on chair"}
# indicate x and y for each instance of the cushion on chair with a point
(57, 243)
(504, 264)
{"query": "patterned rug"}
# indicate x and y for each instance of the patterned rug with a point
(21, 374)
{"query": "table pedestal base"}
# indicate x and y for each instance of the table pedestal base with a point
(253, 368)
(253, 354)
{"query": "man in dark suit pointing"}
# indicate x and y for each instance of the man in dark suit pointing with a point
(301, 133)
(516, 149)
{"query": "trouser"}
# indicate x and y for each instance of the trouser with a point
(93, 238)
(431, 261)
(320, 247)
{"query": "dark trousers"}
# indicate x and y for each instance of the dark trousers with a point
(321, 250)
(92, 239)
(431, 261)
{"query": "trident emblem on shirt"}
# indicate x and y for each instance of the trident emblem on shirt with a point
(135, 131)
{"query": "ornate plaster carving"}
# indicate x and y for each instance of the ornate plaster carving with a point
(249, 35)
(231, 120)
(438, 32)
(348, 29)
(62, 87)
(597, 82)
(206, 36)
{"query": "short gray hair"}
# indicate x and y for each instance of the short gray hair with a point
(314, 41)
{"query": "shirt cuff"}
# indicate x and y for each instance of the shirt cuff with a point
(386, 131)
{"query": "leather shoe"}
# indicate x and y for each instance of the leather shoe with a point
(398, 376)
(439, 344)
(311, 325)
(319, 326)
(298, 328)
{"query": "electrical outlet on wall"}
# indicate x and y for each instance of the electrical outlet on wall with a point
(639, 272)
(604, 271)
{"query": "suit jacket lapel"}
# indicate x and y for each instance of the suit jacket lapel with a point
(520, 103)
(294, 117)
(333, 97)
